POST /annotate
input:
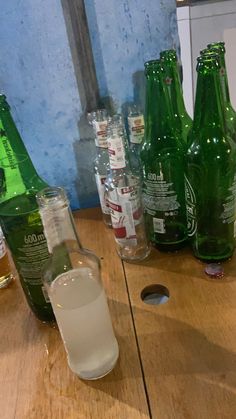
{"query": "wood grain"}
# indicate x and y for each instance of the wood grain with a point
(187, 345)
(35, 380)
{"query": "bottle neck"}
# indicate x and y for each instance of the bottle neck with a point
(117, 151)
(158, 116)
(59, 227)
(209, 111)
(136, 128)
(102, 150)
(224, 80)
(17, 171)
(174, 88)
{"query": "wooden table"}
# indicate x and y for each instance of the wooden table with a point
(177, 360)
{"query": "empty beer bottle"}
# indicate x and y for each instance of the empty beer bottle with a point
(172, 79)
(230, 114)
(211, 169)
(19, 215)
(162, 157)
(99, 121)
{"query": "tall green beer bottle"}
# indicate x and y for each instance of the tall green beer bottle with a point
(172, 79)
(162, 159)
(211, 169)
(19, 215)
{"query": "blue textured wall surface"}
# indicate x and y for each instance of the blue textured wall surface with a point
(124, 35)
(37, 75)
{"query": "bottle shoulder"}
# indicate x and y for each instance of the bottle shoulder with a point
(122, 179)
(162, 146)
(69, 257)
(207, 145)
(101, 162)
(21, 204)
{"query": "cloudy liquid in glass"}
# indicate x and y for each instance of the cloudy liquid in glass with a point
(80, 306)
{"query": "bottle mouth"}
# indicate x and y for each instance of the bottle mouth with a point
(52, 197)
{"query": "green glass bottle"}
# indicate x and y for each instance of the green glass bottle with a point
(172, 79)
(211, 169)
(162, 158)
(19, 215)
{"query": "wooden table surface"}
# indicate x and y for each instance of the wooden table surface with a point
(177, 360)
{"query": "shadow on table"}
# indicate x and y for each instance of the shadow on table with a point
(175, 351)
(184, 263)
(179, 356)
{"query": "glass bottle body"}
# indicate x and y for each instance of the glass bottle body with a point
(101, 170)
(211, 170)
(19, 216)
(210, 198)
(164, 197)
(72, 278)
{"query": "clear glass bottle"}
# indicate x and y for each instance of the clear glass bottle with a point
(124, 193)
(6, 275)
(99, 121)
(19, 215)
(136, 136)
(73, 281)
(211, 169)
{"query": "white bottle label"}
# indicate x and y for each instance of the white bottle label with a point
(159, 225)
(100, 181)
(136, 129)
(116, 153)
(100, 129)
(2, 246)
(160, 195)
(126, 213)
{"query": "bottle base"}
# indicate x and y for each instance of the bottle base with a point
(95, 374)
(5, 280)
(212, 249)
(132, 257)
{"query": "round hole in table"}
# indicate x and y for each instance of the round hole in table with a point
(155, 294)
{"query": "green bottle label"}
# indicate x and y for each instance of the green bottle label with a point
(190, 208)
(10, 176)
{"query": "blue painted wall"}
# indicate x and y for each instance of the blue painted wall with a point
(37, 75)
(124, 35)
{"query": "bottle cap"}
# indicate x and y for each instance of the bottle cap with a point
(214, 270)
